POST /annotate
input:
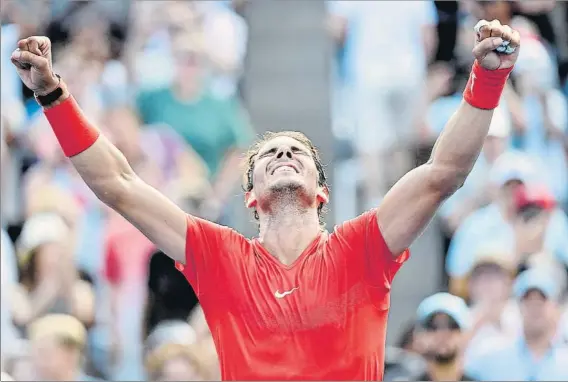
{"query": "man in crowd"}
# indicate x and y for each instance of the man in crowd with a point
(443, 321)
(495, 317)
(294, 302)
(57, 344)
(493, 228)
(537, 354)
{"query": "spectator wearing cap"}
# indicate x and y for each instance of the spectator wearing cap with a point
(49, 283)
(171, 354)
(496, 317)
(57, 344)
(443, 321)
(536, 210)
(474, 193)
(537, 354)
(491, 228)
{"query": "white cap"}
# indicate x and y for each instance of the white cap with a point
(41, 229)
(500, 125)
(170, 332)
(513, 165)
(535, 62)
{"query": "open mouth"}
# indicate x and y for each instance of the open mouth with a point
(284, 165)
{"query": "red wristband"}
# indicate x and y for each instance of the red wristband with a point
(484, 88)
(72, 129)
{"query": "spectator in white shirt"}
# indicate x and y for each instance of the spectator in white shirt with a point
(496, 317)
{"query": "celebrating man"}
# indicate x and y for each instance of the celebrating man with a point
(296, 302)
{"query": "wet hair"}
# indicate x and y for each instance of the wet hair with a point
(300, 137)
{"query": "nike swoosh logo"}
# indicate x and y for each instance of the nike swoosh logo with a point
(277, 294)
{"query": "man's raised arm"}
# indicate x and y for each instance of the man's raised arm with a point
(101, 165)
(410, 205)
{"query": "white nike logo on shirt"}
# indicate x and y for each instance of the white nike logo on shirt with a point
(277, 294)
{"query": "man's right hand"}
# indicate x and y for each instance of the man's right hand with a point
(32, 60)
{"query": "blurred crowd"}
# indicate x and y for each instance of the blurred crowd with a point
(86, 297)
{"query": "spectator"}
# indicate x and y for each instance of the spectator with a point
(536, 355)
(126, 255)
(225, 34)
(48, 281)
(57, 343)
(492, 228)
(536, 208)
(386, 90)
(443, 320)
(171, 355)
(216, 129)
(165, 284)
(495, 316)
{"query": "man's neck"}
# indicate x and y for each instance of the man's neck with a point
(445, 372)
(288, 231)
(538, 345)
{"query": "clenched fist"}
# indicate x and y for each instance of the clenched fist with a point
(33, 63)
(496, 45)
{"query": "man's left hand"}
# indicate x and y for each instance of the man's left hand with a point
(492, 38)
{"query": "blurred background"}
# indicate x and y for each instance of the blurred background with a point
(183, 87)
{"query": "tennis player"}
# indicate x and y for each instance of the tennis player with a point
(296, 302)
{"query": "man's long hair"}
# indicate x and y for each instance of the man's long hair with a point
(300, 137)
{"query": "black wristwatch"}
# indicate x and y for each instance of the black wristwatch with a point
(48, 99)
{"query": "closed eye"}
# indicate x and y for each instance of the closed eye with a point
(297, 150)
(269, 152)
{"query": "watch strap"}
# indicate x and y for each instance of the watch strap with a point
(48, 99)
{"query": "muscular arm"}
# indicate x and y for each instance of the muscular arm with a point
(107, 173)
(101, 165)
(410, 205)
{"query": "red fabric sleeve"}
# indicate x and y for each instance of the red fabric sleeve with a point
(208, 247)
(365, 246)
